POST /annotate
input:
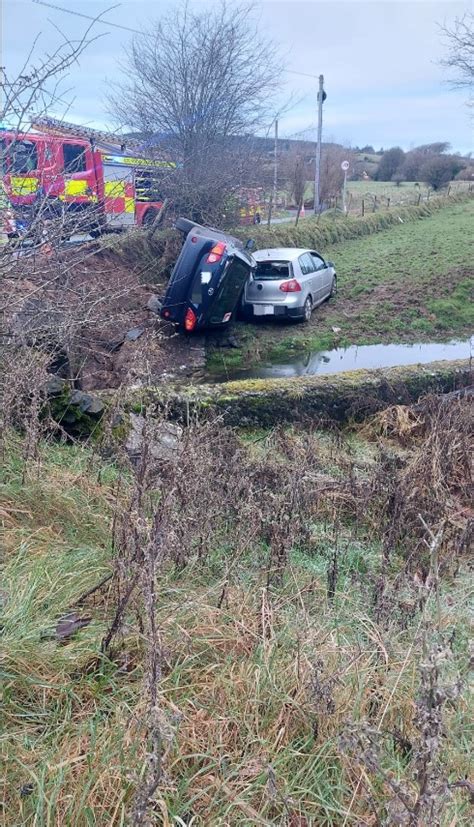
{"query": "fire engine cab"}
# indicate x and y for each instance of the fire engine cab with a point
(66, 169)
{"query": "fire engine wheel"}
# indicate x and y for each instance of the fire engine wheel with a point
(149, 217)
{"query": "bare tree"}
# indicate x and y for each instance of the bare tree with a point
(460, 56)
(332, 176)
(297, 182)
(197, 83)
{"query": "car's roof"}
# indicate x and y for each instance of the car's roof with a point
(281, 253)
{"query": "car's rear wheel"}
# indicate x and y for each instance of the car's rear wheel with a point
(307, 309)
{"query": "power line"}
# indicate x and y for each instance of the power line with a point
(135, 31)
(303, 74)
(87, 16)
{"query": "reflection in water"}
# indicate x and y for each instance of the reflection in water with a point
(357, 357)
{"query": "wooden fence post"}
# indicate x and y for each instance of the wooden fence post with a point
(363, 206)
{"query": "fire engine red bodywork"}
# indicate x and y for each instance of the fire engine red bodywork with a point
(88, 189)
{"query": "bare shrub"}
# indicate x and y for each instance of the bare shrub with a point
(435, 481)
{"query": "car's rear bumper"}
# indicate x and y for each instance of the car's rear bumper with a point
(280, 311)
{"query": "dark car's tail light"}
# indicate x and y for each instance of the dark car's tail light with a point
(190, 320)
(291, 286)
(216, 253)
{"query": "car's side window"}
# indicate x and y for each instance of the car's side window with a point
(306, 264)
(319, 263)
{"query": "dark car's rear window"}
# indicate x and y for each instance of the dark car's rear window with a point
(272, 269)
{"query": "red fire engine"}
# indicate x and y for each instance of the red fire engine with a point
(251, 205)
(89, 174)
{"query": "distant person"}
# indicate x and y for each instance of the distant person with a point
(257, 218)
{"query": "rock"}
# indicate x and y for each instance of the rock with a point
(165, 440)
(224, 340)
(86, 402)
(134, 334)
(69, 624)
(55, 386)
(154, 304)
(66, 627)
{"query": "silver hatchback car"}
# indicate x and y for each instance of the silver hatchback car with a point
(288, 282)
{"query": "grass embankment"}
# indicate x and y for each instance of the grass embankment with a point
(263, 681)
(411, 282)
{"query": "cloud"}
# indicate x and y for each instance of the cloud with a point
(380, 61)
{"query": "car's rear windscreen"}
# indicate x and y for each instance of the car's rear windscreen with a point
(272, 269)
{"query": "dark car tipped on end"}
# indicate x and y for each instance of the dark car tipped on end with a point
(208, 279)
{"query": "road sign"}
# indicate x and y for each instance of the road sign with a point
(345, 165)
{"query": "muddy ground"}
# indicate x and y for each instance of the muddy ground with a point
(93, 309)
(96, 317)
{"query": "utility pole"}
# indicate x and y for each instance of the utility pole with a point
(317, 160)
(275, 163)
(275, 174)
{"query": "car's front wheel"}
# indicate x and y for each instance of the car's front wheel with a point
(307, 309)
(333, 292)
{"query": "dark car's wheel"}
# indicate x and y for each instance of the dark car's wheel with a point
(307, 309)
(333, 292)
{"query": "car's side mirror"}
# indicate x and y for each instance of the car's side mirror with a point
(250, 244)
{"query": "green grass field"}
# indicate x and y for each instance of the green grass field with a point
(387, 194)
(257, 684)
(412, 282)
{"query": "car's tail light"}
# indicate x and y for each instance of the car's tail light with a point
(291, 286)
(216, 253)
(190, 320)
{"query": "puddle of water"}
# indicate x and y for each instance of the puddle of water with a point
(355, 358)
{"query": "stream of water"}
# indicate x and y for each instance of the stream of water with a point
(354, 358)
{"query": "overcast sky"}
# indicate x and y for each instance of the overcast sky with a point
(380, 61)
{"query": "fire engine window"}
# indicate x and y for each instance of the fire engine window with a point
(74, 158)
(147, 186)
(24, 157)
